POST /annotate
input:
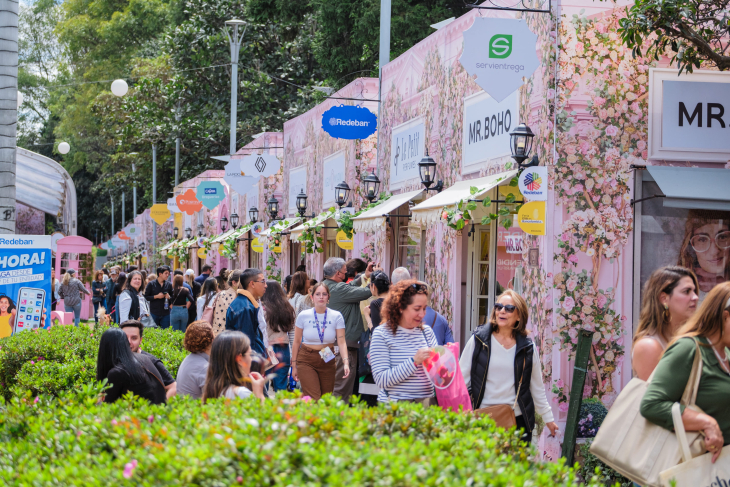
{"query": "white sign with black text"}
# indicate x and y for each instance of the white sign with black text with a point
(406, 151)
(297, 184)
(333, 173)
(487, 124)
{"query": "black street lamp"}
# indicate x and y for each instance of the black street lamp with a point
(427, 171)
(253, 214)
(372, 185)
(201, 228)
(521, 145)
(302, 205)
(188, 232)
(169, 235)
(141, 247)
(176, 232)
(234, 220)
(342, 190)
(224, 224)
(273, 207)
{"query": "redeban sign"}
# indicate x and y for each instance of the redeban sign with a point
(533, 183)
(349, 122)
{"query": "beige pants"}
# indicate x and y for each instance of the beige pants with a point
(317, 377)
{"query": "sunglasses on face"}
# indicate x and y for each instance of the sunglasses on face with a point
(509, 308)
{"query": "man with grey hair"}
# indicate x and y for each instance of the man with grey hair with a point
(346, 298)
(399, 274)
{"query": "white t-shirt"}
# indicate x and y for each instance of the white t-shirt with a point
(307, 323)
(239, 392)
(200, 308)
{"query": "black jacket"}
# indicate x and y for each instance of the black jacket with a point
(157, 306)
(522, 367)
(151, 388)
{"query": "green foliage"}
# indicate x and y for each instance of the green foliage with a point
(61, 358)
(286, 441)
(594, 470)
(591, 416)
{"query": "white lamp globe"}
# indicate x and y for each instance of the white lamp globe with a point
(63, 147)
(119, 87)
(20, 99)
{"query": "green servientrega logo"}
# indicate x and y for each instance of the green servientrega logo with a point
(500, 46)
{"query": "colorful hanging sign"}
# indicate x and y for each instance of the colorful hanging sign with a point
(122, 235)
(343, 241)
(201, 241)
(202, 253)
(236, 179)
(187, 202)
(210, 193)
(259, 165)
(533, 183)
(499, 52)
(256, 229)
(159, 213)
(349, 122)
(257, 246)
(531, 218)
(172, 205)
(132, 231)
(276, 249)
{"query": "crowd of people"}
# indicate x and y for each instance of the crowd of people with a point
(361, 328)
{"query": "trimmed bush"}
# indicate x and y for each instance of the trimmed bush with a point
(595, 469)
(73, 440)
(591, 416)
(61, 358)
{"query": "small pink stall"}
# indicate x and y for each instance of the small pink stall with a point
(69, 255)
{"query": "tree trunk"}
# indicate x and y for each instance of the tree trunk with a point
(8, 111)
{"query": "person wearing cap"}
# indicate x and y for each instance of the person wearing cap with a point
(72, 292)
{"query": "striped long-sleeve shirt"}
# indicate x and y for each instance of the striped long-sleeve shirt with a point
(391, 359)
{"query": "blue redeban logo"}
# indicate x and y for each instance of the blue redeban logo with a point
(349, 122)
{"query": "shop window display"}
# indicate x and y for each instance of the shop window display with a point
(409, 250)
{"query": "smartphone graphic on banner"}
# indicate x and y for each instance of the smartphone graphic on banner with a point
(33, 300)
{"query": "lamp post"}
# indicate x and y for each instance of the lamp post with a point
(188, 232)
(342, 190)
(273, 207)
(175, 232)
(253, 214)
(372, 184)
(235, 41)
(201, 229)
(123, 205)
(234, 220)
(521, 145)
(302, 205)
(112, 199)
(427, 171)
(224, 224)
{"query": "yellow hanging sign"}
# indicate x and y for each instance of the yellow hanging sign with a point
(160, 213)
(202, 253)
(531, 218)
(144, 260)
(257, 246)
(343, 242)
(276, 249)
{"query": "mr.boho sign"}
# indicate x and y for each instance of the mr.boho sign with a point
(486, 128)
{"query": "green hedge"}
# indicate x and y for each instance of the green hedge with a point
(62, 358)
(73, 440)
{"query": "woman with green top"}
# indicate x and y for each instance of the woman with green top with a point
(710, 326)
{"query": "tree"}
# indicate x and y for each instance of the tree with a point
(8, 111)
(696, 31)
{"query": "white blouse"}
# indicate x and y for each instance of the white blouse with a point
(500, 386)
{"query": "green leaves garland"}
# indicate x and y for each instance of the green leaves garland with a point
(460, 216)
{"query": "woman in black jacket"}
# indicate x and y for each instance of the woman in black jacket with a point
(126, 371)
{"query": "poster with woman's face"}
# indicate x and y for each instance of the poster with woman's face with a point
(694, 238)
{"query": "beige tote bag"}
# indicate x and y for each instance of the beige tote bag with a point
(637, 448)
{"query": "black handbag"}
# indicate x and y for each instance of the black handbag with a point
(363, 363)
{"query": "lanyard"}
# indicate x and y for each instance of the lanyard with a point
(324, 324)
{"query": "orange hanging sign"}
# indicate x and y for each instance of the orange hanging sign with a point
(122, 235)
(188, 202)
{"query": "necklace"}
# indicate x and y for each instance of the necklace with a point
(722, 361)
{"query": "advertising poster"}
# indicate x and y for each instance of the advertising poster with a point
(25, 283)
(333, 173)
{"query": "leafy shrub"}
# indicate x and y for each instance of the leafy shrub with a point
(73, 440)
(60, 358)
(591, 416)
(597, 471)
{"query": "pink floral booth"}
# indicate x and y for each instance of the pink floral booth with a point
(70, 253)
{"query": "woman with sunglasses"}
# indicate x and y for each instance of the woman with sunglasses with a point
(706, 247)
(400, 345)
(499, 352)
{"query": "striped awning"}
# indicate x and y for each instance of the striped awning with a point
(374, 218)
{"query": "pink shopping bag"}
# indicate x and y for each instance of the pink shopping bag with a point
(443, 370)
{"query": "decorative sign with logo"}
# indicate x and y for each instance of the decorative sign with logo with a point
(202, 253)
(333, 173)
(349, 122)
(117, 242)
(276, 249)
(256, 229)
(531, 218)
(122, 235)
(201, 241)
(235, 178)
(257, 246)
(187, 202)
(343, 242)
(132, 231)
(260, 165)
(533, 183)
(172, 205)
(406, 151)
(297, 184)
(500, 52)
(210, 193)
(486, 128)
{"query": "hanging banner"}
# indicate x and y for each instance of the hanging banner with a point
(349, 122)
(118, 242)
(531, 218)
(236, 179)
(201, 241)
(260, 165)
(110, 245)
(55, 237)
(25, 283)
(159, 213)
(187, 202)
(499, 52)
(256, 229)
(172, 205)
(533, 183)
(202, 253)
(132, 231)
(343, 242)
(406, 151)
(276, 249)
(210, 193)
(122, 235)
(257, 246)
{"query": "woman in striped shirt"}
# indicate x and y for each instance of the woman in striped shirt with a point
(399, 347)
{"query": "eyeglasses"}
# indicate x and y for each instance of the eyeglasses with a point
(419, 288)
(262, 281)
(701, 243)
(509, 308)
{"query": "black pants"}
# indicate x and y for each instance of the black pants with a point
(527, 435)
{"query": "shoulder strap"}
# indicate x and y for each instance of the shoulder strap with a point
(423, 331)
(435, 315)
(693, 382)
(517, 396)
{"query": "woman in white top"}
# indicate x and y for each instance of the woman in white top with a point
(669, 300)
(496, 354)
(299, 291)
(313, 358)
(207, 296)
(229, 369)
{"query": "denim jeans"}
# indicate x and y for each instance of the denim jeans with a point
(179, 318)
(96, 310)
(76, 310)
(162, 321)
(282, 369)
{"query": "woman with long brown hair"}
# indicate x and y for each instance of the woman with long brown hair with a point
(706, 247)
(179, 303)
(229, 369)
(708, 331)
(280, 317)
(669, 299)
(299, 292)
